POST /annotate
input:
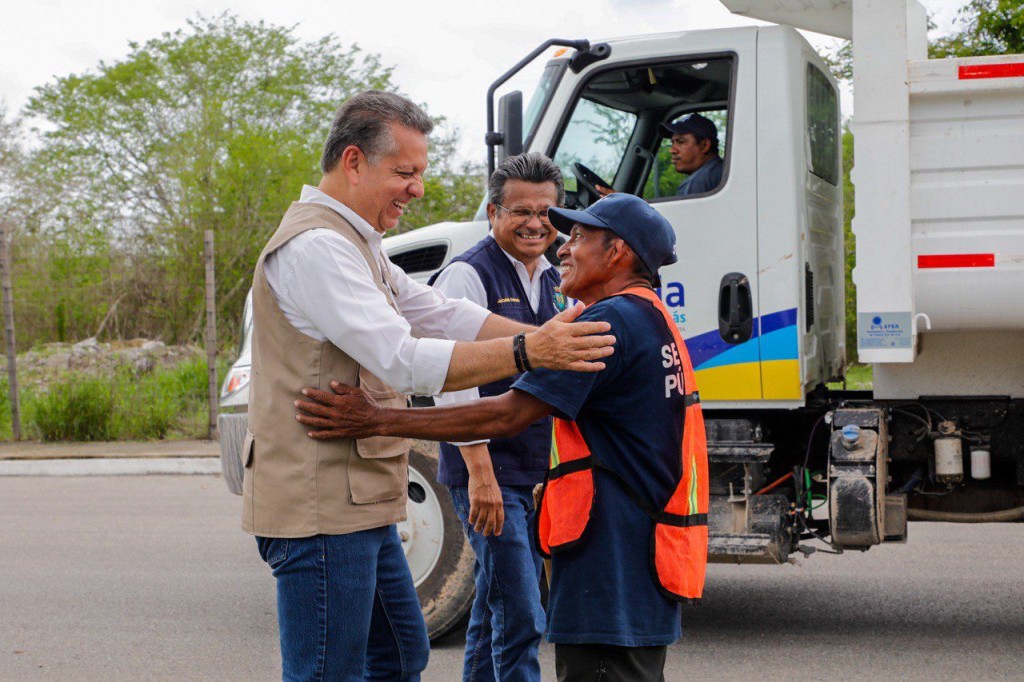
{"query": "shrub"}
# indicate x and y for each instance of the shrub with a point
(165, 403)
(162, 403)
(77, 407)
(141, 413)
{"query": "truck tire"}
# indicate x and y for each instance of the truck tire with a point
(440, 557)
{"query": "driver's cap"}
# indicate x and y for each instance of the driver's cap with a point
(699, 126)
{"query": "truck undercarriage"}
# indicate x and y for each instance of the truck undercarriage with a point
(847, 472)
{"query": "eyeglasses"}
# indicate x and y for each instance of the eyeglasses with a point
(521, 216)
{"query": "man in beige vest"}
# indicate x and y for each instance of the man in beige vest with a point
(329, 305)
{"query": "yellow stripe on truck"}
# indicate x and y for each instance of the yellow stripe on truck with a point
(781, 381)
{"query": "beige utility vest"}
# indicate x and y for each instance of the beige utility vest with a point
(295, 486)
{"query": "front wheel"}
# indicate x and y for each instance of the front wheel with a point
(439, 555)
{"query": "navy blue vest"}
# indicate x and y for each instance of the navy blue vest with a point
(522, 459)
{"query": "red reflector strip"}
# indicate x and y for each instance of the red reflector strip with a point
(958, 260)
(991, 71)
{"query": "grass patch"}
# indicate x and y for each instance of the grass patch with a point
(75, 408)
(165, 403)
(161, 404)
(858, 378)
(5, 410)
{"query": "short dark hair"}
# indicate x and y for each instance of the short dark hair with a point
(639, 269)
(364, 120)
(530, 167)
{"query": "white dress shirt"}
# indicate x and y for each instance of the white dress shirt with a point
(326, 290)
(460, 280)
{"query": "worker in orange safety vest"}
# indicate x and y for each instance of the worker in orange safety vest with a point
(624, 510)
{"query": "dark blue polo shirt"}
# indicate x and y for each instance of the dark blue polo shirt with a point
(602, 589)
(704, 179)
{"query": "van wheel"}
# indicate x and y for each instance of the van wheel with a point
(439, 555)
(231, 429)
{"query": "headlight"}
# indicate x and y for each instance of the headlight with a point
(237, 379)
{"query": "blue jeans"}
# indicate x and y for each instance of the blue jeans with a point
(507, 620)
(346, 607)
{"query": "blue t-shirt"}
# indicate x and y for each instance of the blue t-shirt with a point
(704, 179)
(631, 416)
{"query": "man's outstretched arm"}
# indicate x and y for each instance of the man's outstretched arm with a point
(347, 412)
(559, 344)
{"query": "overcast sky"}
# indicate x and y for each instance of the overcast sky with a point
(444, 53)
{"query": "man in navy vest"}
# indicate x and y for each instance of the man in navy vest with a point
(491, 482)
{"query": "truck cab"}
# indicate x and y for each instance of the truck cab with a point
(758, 289)
(757, 292)
(743, 291)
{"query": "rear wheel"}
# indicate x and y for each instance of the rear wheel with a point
(439, 555)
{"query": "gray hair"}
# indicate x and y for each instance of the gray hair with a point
(532, 167)
(364, 120)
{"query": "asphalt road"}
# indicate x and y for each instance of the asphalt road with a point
(127, 578)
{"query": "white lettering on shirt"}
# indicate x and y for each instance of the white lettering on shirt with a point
(673, 380)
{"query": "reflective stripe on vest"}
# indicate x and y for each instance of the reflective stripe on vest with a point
(679, 542)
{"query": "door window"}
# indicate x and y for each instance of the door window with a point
(822, 126)
(664, 179)
(615, 129)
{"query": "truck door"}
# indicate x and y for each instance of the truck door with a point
(613, 128)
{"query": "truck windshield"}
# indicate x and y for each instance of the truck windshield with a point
(540, 98)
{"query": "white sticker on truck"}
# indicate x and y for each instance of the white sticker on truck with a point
(884, 330)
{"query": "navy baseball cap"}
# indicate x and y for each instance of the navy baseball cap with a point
(645, 230)
(702, 128)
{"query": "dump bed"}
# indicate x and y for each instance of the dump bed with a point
(939, 174)
(967, 192)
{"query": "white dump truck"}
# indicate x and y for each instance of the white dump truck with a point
(758, 292)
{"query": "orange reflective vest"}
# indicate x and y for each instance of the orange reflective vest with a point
(679, 539)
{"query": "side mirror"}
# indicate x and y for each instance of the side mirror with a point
(510, 124)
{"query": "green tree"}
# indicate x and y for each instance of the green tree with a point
(849, 246)
(984, 27)
(216, 126)
(12, 163)
(981, 27)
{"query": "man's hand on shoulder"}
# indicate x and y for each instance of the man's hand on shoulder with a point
(563, 344)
